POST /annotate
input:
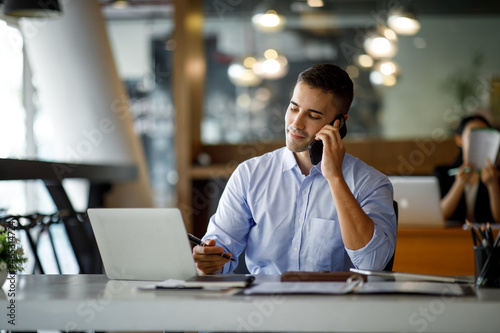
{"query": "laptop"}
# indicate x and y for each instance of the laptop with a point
(418, 200)
(142, 243)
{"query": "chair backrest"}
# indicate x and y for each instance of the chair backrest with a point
(389, 265)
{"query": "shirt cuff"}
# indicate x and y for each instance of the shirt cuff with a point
(368, 257)
(227, 268)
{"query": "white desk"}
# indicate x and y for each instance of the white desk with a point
(91, 302)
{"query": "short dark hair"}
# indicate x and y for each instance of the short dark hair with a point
(331, 79)
(461, 126)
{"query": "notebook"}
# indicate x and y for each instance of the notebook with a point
(142, 243)
(418, 200)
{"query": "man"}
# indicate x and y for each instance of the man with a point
(290, 215)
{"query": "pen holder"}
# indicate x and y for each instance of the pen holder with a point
(487, 266)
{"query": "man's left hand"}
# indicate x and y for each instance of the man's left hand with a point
(333, 150)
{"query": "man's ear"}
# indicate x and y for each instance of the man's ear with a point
(458, 140)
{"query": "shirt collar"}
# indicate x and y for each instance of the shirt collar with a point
(288, 160)
(316, 167)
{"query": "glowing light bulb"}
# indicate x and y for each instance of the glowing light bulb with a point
(365, 61)
(270, 21)
(403, 25)
(240, 75)
(380, 47)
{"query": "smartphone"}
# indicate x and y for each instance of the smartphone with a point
(316, 147)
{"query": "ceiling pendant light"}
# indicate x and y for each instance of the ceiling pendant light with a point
(120, 4)
(269, 21)
(364, 61)
(32, 8)
(381, 43)
(272, 67)
(315, 3)
(385, 73)
(403, 22)
(241, 73)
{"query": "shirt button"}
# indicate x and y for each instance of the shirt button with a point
(304, 192)
(295, 249)
(301, 220)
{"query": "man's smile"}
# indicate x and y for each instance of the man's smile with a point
(296, 136)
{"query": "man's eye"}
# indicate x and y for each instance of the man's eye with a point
(312, 116)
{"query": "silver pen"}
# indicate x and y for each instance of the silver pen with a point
(198, 241)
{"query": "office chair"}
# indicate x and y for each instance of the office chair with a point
(389, 265)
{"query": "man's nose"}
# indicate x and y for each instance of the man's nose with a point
(298, 122)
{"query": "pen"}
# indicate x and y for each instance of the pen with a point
(198, 241)
(475, 237)
(484, 235)
(454, 172)
(489, 234)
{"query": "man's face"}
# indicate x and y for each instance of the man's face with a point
(310, 109)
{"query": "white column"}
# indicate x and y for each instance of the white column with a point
(81, 92)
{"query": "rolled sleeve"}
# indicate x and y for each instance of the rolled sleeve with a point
(379, 206)
(375, 255)
(229, 226)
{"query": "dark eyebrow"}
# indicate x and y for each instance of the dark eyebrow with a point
(310, 110)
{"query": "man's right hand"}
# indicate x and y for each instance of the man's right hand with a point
(208, 258)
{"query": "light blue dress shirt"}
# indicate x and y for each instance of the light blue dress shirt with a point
(286, 221)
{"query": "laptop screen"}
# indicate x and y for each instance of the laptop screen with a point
(142, 243)
(418, 200)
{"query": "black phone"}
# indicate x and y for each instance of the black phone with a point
(316, 147)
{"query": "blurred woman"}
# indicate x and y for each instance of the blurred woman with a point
(468, 193)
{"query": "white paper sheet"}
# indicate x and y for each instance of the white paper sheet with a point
(484, 143)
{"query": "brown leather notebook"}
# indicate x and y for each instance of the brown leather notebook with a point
(318, 276)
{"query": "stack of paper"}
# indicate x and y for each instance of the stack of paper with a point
(484, 143)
